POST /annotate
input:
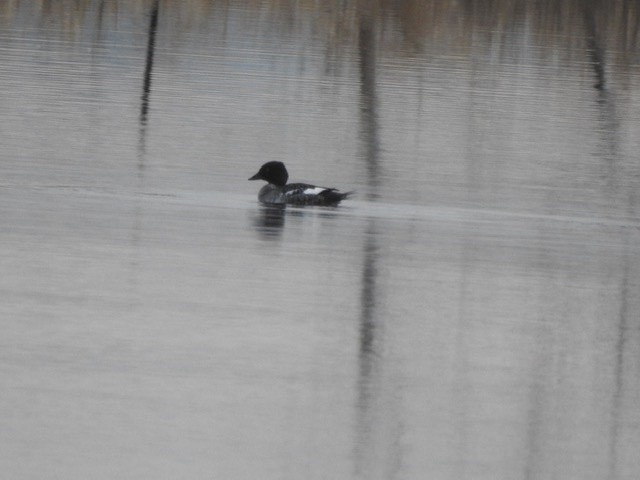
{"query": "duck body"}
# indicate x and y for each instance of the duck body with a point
(277, 191)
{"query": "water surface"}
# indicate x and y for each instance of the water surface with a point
(472, 313)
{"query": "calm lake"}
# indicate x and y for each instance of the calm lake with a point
(472, 313)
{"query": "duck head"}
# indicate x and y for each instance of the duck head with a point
(272, 172)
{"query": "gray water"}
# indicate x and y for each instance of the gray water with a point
(473, 313)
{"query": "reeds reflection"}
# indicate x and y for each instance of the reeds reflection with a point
(406, 28)
(148, 69)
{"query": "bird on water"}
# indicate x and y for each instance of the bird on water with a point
(277, 191)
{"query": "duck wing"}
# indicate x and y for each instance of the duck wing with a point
(306, 194)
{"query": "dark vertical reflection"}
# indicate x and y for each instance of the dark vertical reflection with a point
(144, 109)
(371, 449)
(608, 153)
(368, 298)
(368, 115)
(594, 48)
(99, 20)
(146, 86)
(369, 360)
(148, 68)
(370, 150)
(369, 142)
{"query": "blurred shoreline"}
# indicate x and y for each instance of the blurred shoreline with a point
(410, 28)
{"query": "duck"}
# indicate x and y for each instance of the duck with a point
(277, 191)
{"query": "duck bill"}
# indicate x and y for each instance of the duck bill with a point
(255, 177)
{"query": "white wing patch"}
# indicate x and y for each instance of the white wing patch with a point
(306, 191)
(313, 191)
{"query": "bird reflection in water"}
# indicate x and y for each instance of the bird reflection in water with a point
(269, 220)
